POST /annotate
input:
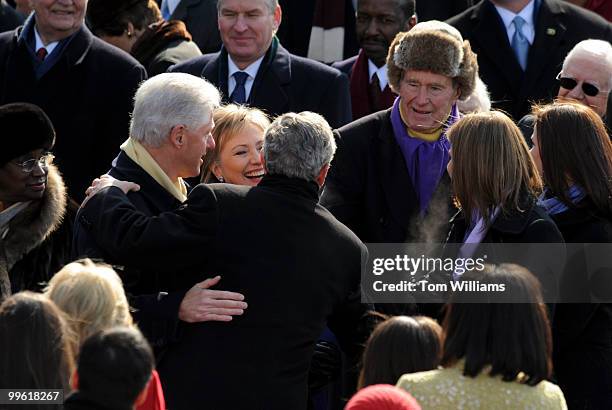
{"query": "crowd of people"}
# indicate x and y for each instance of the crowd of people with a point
(189, 202)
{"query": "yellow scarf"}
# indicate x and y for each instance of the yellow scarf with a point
(425, 136)
(141, 156)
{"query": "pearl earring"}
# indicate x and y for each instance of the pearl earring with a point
(220, 179)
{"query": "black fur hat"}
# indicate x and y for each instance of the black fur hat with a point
(24, 127)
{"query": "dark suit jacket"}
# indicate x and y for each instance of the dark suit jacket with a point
(297, 265)
(87, 95)
(532, 226)
(559, 27)
(156, 306)
(200, 17)
(582, 332)
(9, 17)
(346, 66)
(284, 83)
(369, 189)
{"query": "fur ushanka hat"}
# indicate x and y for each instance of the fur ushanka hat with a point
(436, 47)
(25, 127)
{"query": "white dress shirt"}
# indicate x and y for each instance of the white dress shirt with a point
(39, 43)
(251, 70)
(527, 14)
(380, 72)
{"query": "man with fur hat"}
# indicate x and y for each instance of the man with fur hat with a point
(388, 181)
(35, 236)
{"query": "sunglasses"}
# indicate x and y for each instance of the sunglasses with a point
(569, 84)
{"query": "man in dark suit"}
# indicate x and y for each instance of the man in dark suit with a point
(519, 66)
(377, 24)
(298, 265)
(169, 134)
(200, 17)
(84, 85)
(254, 68)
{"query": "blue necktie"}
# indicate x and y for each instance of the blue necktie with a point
(165, 10)
(239, 94)
(520, 44)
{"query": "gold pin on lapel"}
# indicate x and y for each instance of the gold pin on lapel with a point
(551, 31)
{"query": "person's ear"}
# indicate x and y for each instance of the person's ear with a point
(278, 18)
(74, 380)
(322, 175)
(177, 136)
(142, 396)
(411, 22)
(216, 170)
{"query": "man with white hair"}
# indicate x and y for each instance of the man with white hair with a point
(169, 135)
(299, 266)
(586, 75)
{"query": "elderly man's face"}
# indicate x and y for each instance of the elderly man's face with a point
(378, 21)
(247, 28)
(585, 68)
(427, 99)
(195, 144)
(58, 19)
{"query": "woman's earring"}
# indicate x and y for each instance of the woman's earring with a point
(220, 179)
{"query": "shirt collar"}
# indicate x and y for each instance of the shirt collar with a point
(39, 43)
(251, 70)
(527, 14)
(381, 72)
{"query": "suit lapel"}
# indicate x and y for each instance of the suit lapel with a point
(180, 12)
(395, 180)
(489, 33)
(215, 71)
(271, 86)
(548, 38)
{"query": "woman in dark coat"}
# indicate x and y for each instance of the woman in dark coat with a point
(35, 233)
(137, 27)
(496, 184)
(574, 154)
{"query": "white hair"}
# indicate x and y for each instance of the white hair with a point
(272, 5)
(171, 99)
(478, 101)
(597, 50)
(298, 145)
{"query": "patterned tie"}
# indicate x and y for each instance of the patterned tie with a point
(41, 53)
(165, 10)
(375, 93)
(239, 94)
(520, 44)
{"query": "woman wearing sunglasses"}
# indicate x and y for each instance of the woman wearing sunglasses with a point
(574, 155)
(35, 236)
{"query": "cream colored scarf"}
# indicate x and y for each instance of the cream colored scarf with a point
(141, 156)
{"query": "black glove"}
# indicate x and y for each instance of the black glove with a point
(325, 366)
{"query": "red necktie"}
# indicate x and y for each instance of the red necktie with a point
(375, 93)
(41, 53)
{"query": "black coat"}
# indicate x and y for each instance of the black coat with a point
(156, 306)
(582, 332)
(87, 95)
(9, 17)
(369, 189)
(284, 83)
(532, 226)
(200, 17)
(559, 27)
(297, 265)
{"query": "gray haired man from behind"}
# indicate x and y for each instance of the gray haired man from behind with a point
(299, 266)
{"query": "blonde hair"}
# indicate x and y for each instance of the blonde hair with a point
(491, 165)
(92, 297)
(230, 120)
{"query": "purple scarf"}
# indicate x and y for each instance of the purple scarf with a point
(426, 161)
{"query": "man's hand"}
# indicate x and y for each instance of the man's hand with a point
(202, 304)
(106, 181)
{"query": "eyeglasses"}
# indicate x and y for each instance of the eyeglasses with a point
(570, 83)
(44, 161)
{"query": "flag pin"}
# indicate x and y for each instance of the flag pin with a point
(551, 31)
